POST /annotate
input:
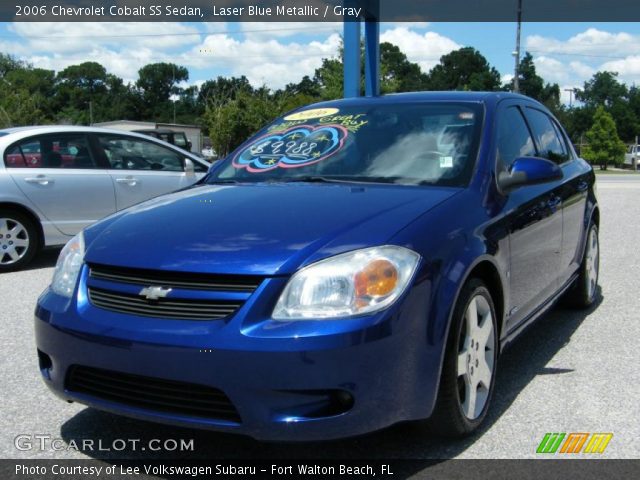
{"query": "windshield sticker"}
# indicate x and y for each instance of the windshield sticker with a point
(297, 147)
(309, 114)
(350, 122)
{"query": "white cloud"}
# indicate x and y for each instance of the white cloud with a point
(425, 49)
(269, 62)
(590, 42)
(573, 61)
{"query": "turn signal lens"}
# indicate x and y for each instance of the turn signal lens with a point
(378, 279)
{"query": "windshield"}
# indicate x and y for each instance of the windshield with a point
(412, 144)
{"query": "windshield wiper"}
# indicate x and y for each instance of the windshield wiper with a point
(218, 181)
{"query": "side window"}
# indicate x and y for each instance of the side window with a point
(50, 151)
(564, 140)
(549, 144)
(128, 153)
(513, 138)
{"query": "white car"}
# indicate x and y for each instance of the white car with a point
(56, 180)
(632, 157)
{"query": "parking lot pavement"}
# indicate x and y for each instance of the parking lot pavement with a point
(571, 372)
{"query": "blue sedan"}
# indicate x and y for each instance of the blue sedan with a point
(355, 264)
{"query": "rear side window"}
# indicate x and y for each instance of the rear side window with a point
(50, 151)
(514, 139)
(550, 145)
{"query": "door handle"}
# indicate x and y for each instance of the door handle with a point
(131, 181)
(582, 186)
(40, 179)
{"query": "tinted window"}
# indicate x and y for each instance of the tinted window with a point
(180, 140)
(50, 151)
(413, 144)
(514, 139)
(549, 144)
(128, 153)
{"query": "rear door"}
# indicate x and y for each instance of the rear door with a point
(142, 169)
(59, 174)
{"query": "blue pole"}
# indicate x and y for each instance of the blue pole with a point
(372, 57)
(351, 59)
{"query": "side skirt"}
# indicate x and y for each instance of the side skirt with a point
(536, 314)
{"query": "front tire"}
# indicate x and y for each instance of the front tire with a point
(468, 372)
(583, 292)
(18, 240)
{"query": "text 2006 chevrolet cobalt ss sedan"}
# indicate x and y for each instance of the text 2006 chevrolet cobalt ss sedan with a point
(355, 264)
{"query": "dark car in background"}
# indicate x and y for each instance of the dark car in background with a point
(355, 264)
(179, 139)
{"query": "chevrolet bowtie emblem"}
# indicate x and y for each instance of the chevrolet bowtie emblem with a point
(154, 292)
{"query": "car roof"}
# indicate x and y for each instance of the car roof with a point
(421, 97)
(155, 130)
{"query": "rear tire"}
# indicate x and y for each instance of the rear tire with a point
(18, 240)
(468, 372)
(583, 292)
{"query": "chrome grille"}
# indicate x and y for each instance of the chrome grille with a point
(170, 308)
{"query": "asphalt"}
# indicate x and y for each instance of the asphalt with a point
(573, 371)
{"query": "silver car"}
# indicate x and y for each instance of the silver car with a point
(56, 180)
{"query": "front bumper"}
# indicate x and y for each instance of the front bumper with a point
(281, 384)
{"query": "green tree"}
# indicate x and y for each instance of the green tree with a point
(79, 89)
(533, 85)
(330, 78)
(464, 69)
(602, 89)
(18, 107)
(233, 122)
(158, 82)
(604, 144)
(223, 88)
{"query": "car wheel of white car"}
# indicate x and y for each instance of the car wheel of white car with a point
(18, 240)
(469, 369)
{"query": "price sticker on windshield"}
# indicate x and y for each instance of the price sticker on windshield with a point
(296, 147)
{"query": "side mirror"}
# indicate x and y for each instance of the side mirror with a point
(189, 167)
(528, 171)
(189, 145)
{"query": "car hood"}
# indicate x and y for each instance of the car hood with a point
(266, 229)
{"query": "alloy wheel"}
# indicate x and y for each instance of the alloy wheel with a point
(14, 241)
(476, 357)
(592, 262)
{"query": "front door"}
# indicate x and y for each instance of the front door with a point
(534, 219)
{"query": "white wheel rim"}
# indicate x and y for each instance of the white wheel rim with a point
(592, 263)
(476, 357)
(14, 241)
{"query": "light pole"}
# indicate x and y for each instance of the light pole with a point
(516, 53)
(571, 92)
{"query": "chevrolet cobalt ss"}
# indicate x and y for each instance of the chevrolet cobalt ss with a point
(355, 264)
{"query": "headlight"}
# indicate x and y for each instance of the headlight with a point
(68, 267)
(354, 283)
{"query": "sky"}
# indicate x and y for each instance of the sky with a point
(274, 54)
